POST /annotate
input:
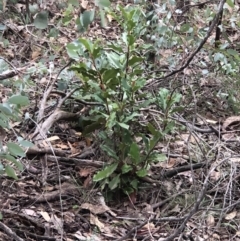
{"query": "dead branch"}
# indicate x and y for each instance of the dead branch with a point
(41, 130)
(76, 161)
(9, 232)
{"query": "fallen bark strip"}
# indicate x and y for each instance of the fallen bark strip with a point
(77, 162)
(35, 151)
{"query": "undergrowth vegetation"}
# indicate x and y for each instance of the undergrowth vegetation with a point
(133, 101)
(115, 75)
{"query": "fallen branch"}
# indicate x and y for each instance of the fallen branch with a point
(9, 232)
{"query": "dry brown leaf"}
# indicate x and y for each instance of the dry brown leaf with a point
(95, 221)
(52, 138)
(95, 209)
(29, 212)
(45, 215)
(58, 224)
(73, 150)
(35, 54)
(215, 175)
(210, 220)
(87, 182)
(231, 215)
(62, 146)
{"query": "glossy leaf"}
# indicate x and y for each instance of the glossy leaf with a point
(109, 151)
(126, 168)
(142, 173)
(135, 152)
(19, 100)
(15, 149)
(114, 182)
(86, 18)
(10, 172)
(106, 172)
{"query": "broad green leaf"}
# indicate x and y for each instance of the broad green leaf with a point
(131, 117)
(185, 28)
(154, 141)
(152, 129)
(72, 51)
(111, 121)
(126, 168)
(146, 142)
(19, 100)
(25, 143)
(1, 217)
(135, 152)
(10, 172)
(3, 124)
(134, 184)
(109, 151)
(33, 8)
(114, 60)
(230, 3)
(233, 52)
(116, 48)
(106, 172)
(128, 190)
(41, 20)
(13, 160)
(5, 110)
(87, 44)
(218, 57)
(15, 149)
(114, 182)
(109, 74)
(157, 157)
(123, 125)
(104, 22)
(87, 17)
(125, 38)
(142, 172)
(102, 3)
(134, 59)
(1, 167)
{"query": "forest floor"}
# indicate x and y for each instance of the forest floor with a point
(193, 195)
